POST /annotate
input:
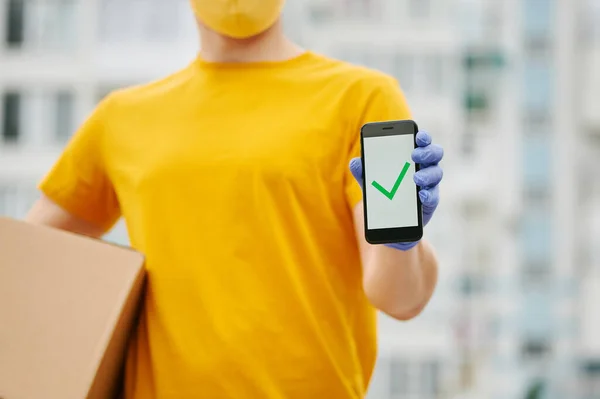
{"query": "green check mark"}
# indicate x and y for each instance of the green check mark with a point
(390, 194)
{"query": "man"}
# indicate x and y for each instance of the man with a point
(232, 176)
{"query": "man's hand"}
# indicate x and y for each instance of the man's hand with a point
(397, 281)
(428, 178)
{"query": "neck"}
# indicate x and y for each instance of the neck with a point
(271, 45)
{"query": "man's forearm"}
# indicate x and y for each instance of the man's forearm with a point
(46, 212)
(400, 283)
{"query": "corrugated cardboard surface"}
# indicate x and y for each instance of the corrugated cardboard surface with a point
(67, 306)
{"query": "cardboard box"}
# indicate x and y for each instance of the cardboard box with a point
(67, 306)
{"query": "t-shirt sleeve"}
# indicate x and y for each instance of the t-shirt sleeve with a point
(78, 182)
(385, 101)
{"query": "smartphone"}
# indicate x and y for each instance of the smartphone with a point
(391, 198)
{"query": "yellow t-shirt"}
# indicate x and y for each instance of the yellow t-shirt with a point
(233, 180)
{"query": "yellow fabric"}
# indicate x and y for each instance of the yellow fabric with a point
(233, 180)
(239, 19)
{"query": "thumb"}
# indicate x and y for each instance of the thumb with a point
(356, 169)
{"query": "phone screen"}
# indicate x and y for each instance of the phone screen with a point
(389, 182)
(391, 205)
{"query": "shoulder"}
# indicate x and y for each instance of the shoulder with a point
(356, 79)
(364, 94)
(157, 92)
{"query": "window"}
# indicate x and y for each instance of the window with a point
(414, 379)
(470, 284)
(15, 23)
(399, 378)
(590, 379)
(536, 314)
(537, 161)
(476, 103)
(538, 47)
(536, 236)
(539, 123)
(45, 25)
(538, 78)
(362, 9)
(537, 18)
(64, 107)
(536, 274)
(318, 13)
(536, 389)
(430, 379)
(11, 125)
(535, 349)
(58, 23)
(592, 368)
(481, 68)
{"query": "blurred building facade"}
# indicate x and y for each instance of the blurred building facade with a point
(509, 88)
(587, 107)
(58, 58)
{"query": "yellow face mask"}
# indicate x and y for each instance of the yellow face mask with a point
(239, 19)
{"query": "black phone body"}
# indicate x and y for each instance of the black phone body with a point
(392, 208)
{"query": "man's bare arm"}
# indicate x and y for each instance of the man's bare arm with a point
(46, 212)
(399, 283)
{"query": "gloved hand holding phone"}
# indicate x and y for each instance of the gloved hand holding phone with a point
(428, 178)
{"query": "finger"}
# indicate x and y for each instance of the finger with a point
(431, 154)
(430, 198)
(356, 169)
(423, 139)
(429, 177)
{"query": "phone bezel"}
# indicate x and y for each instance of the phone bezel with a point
(398, 234)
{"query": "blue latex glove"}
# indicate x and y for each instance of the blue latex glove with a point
(428, 156)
